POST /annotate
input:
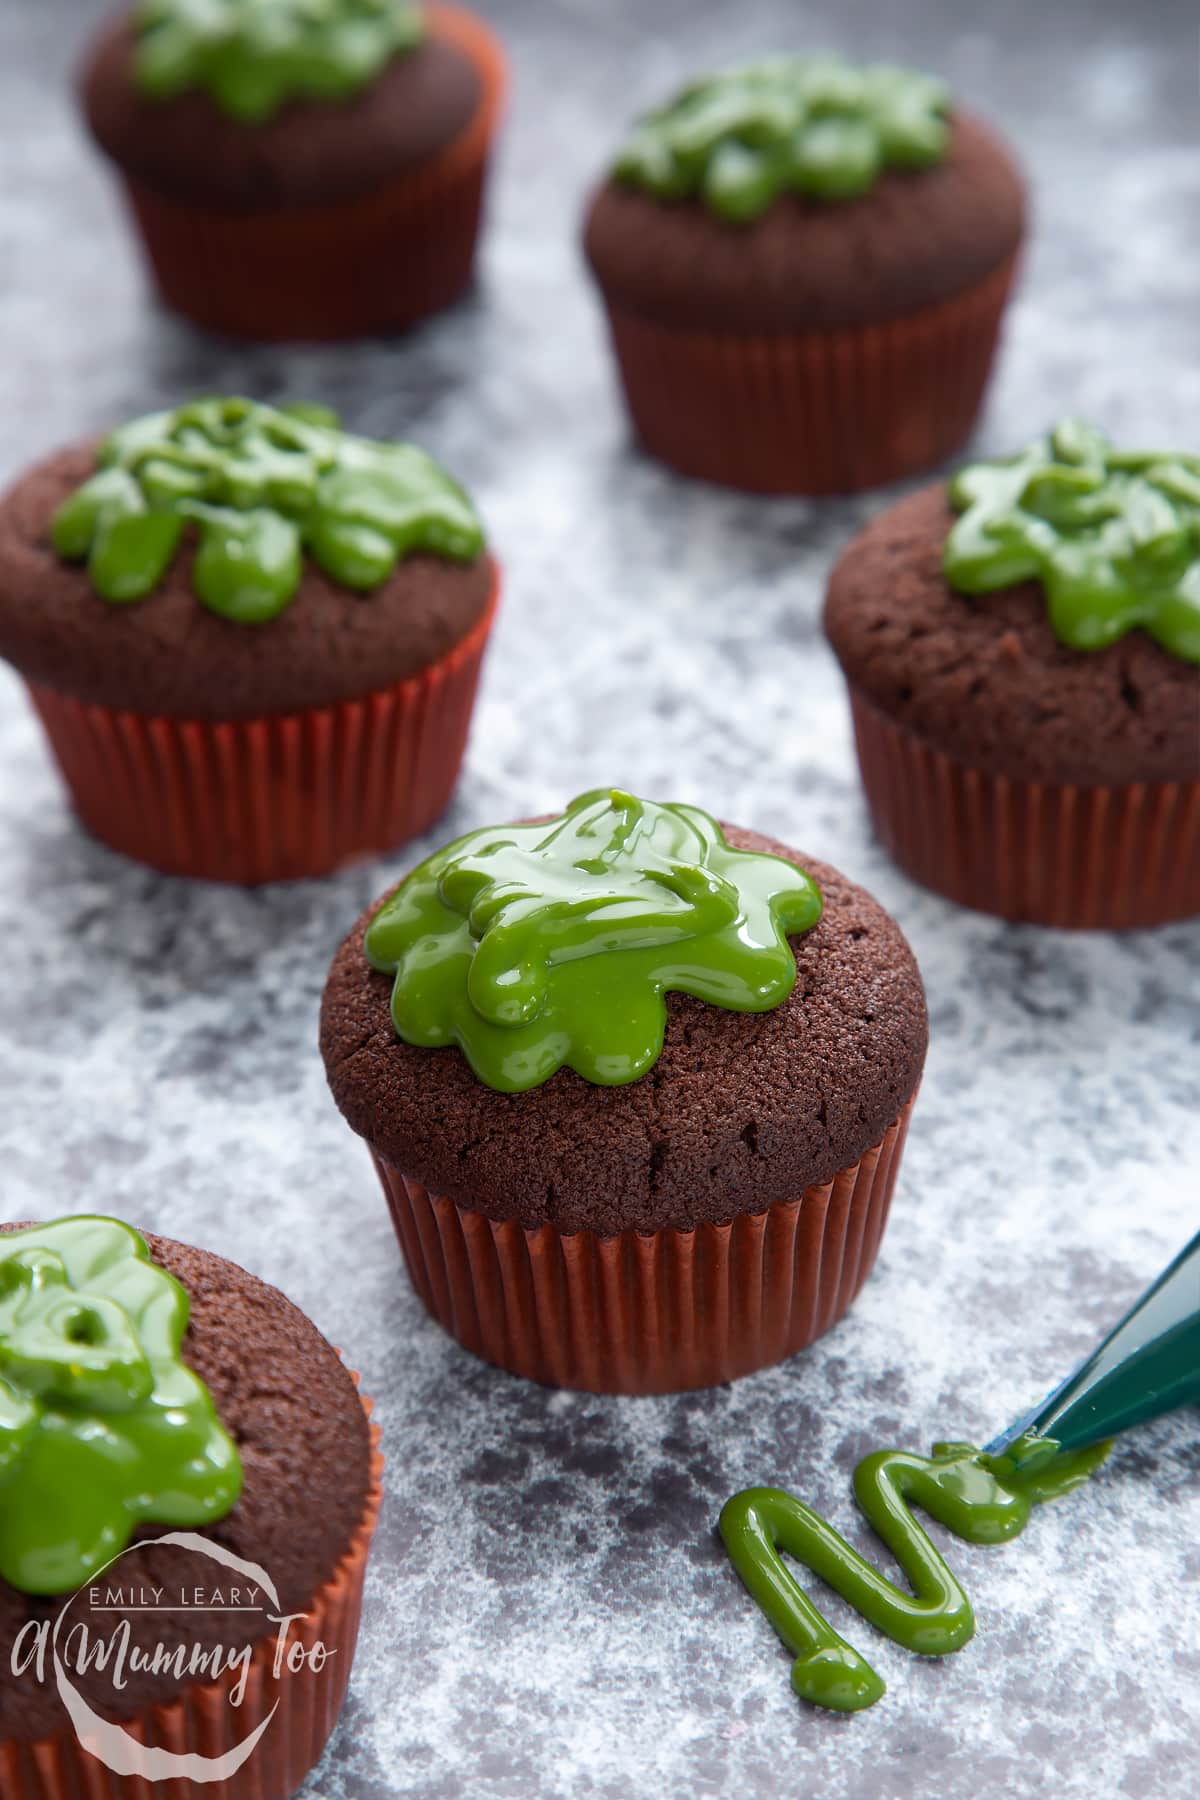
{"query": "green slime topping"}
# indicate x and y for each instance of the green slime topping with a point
(102, 1427)
(815, 125)
(261, 486)
(250, 56)
(531, 946)
(980, 1498)
(1112, 535)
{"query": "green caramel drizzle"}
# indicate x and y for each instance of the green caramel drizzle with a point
(261, 486)
(1112, 535)
(534, 946)
(816, 125)
(250, 56)
(982, 1499)
(102, 1427)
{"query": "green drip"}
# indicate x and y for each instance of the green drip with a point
(980, 1498)
(535, 946)
(1112, 535)
(261, 486)
(816, 125)
(250, 56)
(102, 1426)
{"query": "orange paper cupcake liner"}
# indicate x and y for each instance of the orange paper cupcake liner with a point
(647, 1312)
(277, 798)
(378, 262)
(201, 1721)
(1100, 858)
(813, 412)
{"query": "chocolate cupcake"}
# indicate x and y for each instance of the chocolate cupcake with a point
(1020, 648)
(804, 264)
(253, 639)
(189, 1484)
(299, 171)
(636, 1086)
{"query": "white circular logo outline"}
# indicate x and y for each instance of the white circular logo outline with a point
(111, 1744)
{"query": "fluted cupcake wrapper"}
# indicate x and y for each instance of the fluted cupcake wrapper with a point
(272, 799)
(812, 412)
(201, 1721)
(647, 1312)
(375, 262)
(1104, 858)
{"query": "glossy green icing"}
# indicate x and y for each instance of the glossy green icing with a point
(982, 1499)
(250, 56)
(102, 1427)
(816, 125)
(535, 946)
(262, 486)
(1112, 535)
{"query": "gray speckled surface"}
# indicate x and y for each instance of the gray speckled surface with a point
(548, 1612)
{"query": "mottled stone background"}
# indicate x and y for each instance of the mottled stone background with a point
(549, 1613)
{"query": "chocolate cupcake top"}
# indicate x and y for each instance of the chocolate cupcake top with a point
(1112, 535)
(246, 105)
(250, 56)
(803, 192)
(816, 125)
(91, 1316)
(740, 1108)
(228, 560)
(534, 946)
(1039, 618)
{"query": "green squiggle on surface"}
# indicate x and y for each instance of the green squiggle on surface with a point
(981, 1499)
